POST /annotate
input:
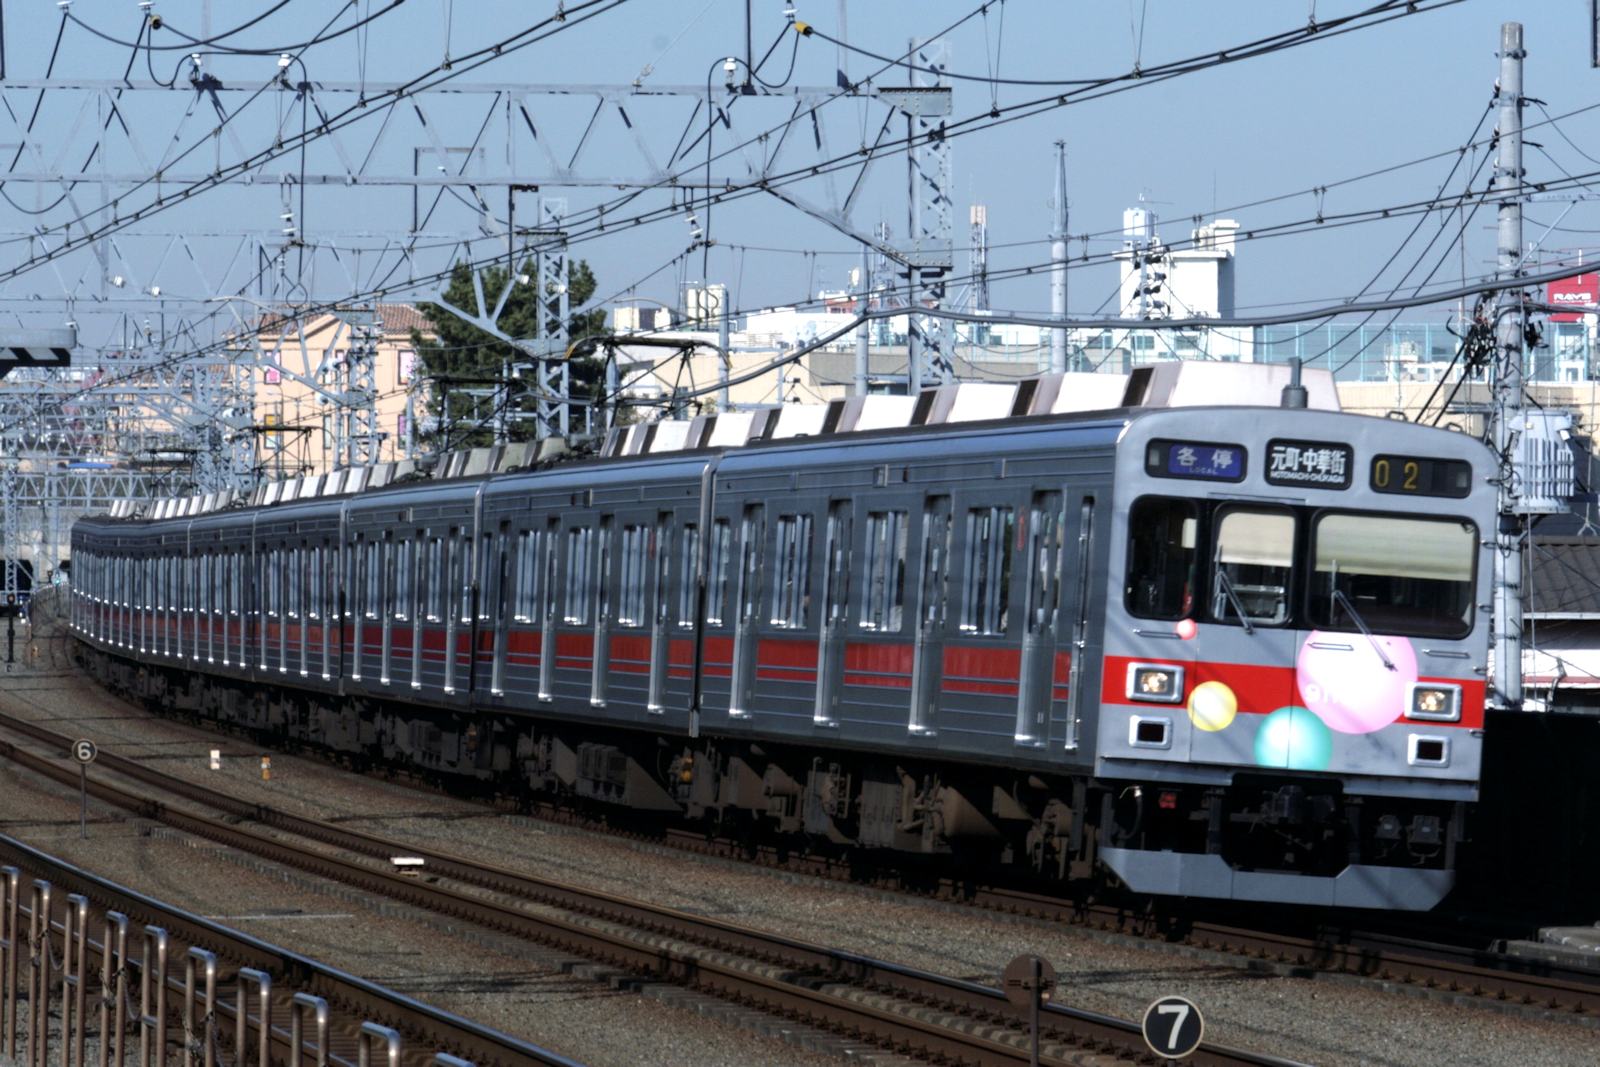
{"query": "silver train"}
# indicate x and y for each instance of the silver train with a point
(1232, 652)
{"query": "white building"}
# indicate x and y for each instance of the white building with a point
(1196, 282)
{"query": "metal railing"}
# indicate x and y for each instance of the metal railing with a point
(45, 957)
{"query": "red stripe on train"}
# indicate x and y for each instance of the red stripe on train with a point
(1262, 689)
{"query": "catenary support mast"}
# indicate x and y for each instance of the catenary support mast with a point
(1058, 264)
(1509, 321)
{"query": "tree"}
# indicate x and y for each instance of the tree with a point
(468, 369)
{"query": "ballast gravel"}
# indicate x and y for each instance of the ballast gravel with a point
(1322, 1020)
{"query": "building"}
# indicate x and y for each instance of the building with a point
(306, 364)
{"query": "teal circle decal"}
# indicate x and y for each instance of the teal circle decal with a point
(1294, 739)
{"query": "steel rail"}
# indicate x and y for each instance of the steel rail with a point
(678, 946)
(427, 1028)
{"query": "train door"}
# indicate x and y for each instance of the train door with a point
(1039, 672)
(605, 581)
(574, 621)
(836, 553)
(932, 599)
(662, 559)
(494, 603)
(635, 564)
(549, 553)
(1072, 621)
(752, 543)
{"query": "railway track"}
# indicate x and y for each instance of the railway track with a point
(897, 1007)
(157, 976)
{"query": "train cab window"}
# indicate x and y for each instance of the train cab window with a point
(1392, 574)
(883, 593)
(580, 563)
(631, 576)
(688, 568)
(986, 589)
(791, 586)
(1162, 537)
(1252, 560)
(717, 576)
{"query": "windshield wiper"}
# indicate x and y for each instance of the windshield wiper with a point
(1344, 601)
(1233, 599)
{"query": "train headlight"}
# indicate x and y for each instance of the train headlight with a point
(1155, 683)
(1435, 702)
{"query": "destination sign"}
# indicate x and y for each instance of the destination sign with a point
(1318, 464)
(1421, 476)
(1204, 460)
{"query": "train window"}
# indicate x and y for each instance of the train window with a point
(1162, 538)
(549, 549)
(752, 538)
(836, 593)
(580, 548)
(631, 577)
(884, 595)
(296, 580)
(403, 580)
(371, 582)
(791, 587)
(717, 579)
(663, 557)
(464, 577)
(527, 586)
(985, 593)
(490, 562)
(391, 571)
(1045, 524)
(688, 569)
(1362, 582)
(438, 589)
(935, 561)
(314, 582)
(602, 581)
(1252, 558)
(274, 582)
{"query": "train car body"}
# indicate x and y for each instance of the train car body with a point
(1221, 652)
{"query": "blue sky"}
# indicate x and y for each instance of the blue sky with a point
(1307, 117)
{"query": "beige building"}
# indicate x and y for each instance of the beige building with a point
(306, 364)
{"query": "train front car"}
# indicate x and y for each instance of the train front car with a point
(1295, 655)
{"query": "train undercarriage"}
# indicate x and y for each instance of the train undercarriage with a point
(836, 802)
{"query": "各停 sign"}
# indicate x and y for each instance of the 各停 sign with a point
(1196, 459)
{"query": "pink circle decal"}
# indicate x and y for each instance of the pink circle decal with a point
(1187, 629)
(1344, 681)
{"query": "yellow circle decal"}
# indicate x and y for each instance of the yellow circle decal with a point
(1212, 706)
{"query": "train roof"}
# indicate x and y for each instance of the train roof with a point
(888, 428)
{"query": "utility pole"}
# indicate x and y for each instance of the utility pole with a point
(863, 303)
(724, 358)
(1058, 265)
(1509, 322)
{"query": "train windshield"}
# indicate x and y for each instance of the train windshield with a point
(1252, 560)
(1402, 575)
